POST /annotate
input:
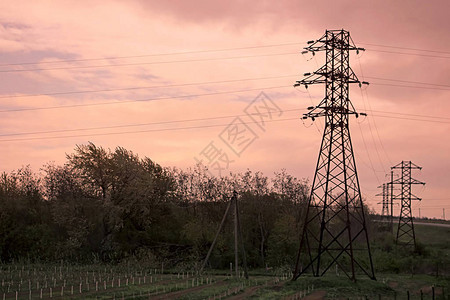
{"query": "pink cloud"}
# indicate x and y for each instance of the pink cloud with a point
(48, 31)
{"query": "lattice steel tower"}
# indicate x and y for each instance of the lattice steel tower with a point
(405, 232)
(385, 201)
(386, 216)
(335, 230)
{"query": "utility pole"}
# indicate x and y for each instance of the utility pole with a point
(335, 225)
(392, 201)
(405, 232)
(237, 236)
(239, 231)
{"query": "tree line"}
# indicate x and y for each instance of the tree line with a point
(109, 205)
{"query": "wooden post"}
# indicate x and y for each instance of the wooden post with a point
(215, 238)
(236, 241)
(244, 258)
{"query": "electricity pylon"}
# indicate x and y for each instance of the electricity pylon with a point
(405, 233)
(335, 225)
(392, 200)
(385, 202)
(385, 206)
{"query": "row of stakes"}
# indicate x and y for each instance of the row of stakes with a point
(54, 281)
(95, 277)
(53, 291)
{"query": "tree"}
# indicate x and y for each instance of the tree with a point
(24, 216)
(92, 163)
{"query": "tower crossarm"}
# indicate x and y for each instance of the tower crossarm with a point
(410, 166)
(414, 197)
(322, 75)
(403, 181)
(330, 39)
(415, 181)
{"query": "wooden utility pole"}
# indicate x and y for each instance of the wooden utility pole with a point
(215, 238)
(237, 237)
(236, 240)
(244, 257)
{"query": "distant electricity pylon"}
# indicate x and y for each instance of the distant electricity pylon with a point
(405, 232)
(385, 202)
(387, 211)
(335, 225)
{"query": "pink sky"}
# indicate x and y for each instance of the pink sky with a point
(49, 31)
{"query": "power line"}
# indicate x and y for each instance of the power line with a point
(140, 100)
(411, 86)
(187, 120)
(368, 155)
(132, 125)
(204, 94)
(375, 126)
(412, 119)
(413, 115)
(146, 63)
(412, 54)
(136, 131)
(405, 48)
(204, 83)
(149, 130)
(167, 98)
(374, 123)
(441, 206)
(201, 51)
(185, 61)
(148, 55)
(406, 81)
(144, 87)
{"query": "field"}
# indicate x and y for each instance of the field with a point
(433, 235)
(122, 282)
(118, 282)
(134, 281)
(427, 278)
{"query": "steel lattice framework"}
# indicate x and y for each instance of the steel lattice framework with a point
(386, 216)
(385, 202)
(405, 233)
(335, 226)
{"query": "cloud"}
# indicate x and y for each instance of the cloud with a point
(47, 30)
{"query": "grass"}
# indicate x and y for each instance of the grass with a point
(433, 240)
(181, 286)
(388, 286)
(333, 286)
(433, 235)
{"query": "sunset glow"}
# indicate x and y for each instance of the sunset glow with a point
(164, 79)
